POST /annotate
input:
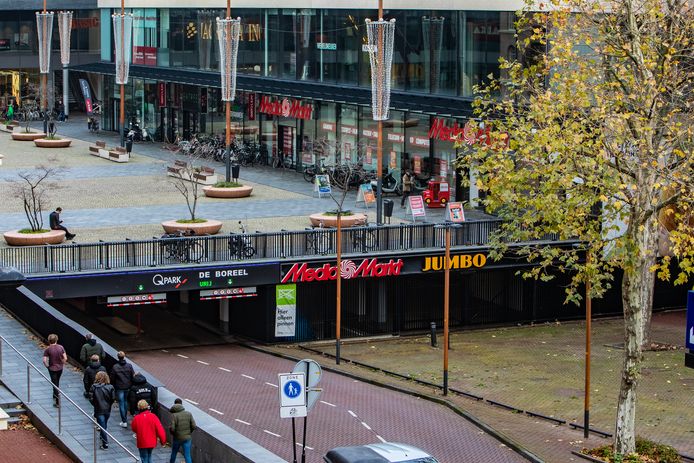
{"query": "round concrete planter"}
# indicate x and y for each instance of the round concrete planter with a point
(331, 220)
(47, 143)
(23, 136)
(236, 192)
(14, 238)
(208, 227)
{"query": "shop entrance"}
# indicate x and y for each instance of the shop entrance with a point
(286, 143)
(190, 124)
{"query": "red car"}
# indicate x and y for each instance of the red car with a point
(437, 194)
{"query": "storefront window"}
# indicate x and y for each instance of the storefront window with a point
(282, 56)
(394, 142)
(145, 37)
(417, 145)
(479, 48)
(368, 139)
(251, 40)
(349, 130)
(325, 146)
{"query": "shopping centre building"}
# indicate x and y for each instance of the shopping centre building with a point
(304, 85)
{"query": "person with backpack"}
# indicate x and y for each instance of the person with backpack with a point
(147, 429)
(90, 348)
(90, 373)
(182, 427)
(122, 378)
(102, 395)
(142, 390)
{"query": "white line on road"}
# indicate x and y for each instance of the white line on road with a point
(182, 356)
(193, 402)
(164, 350)
(380, 438)
(216, 411)
(242, 422)
(354, 415)
(327, 403)
(366, 426)
(224, 369)
(271, 433)
(270, 384)
(309, 448)
(246, 376)
(200, 361)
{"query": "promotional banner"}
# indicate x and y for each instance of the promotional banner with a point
(415, 204)
(393, 160)
(366, 194)
(456, 212)
(322, 185)
(285, 316)
(87, 94)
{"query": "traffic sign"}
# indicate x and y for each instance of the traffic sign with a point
(292, 395)
(313, 373)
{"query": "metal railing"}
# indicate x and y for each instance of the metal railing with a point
(33, 260)
(97, 427)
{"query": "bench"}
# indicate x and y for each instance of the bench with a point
(178, 169)
(117, 154)
(203, 175)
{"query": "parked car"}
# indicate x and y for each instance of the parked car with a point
(387, 452)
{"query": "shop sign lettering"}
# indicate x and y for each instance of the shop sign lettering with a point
(348, 270)
(470, 133)
(456, 262)
(285, 107)
(419, 141)
(349, 129)
(396, 137)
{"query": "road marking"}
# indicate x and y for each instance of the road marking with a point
(327, 403)
(366, 426)
(224, 369)
(200, 361)
(216, 411)
(309, 448)
(246, 376)
(164, 350)
(182, 356)
(354, 415)
(243, 422)
(194, 403)
(270, 384)
(380, 438)
(271, 433)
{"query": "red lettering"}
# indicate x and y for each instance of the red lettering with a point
(366, 268)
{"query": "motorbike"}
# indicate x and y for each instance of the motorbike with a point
(391, 184)
(137, 133)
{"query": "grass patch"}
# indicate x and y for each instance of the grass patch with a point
(227, 185)
(343, 214)
(191, 221)
(29, 231)
(646, 452)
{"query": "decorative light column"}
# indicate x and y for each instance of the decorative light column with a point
(65, 29)
(122, 33)
(44, 27)
(380, 36)
(228, 36)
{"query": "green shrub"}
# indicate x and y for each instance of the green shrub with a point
(646, 451)
(343, 214)
(191, 221)
(29, 231)
(227, 185)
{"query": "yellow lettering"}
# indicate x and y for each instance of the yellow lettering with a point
(479, 260)
(436, 263)
(427, 264)
(455, 262)
(465, 261)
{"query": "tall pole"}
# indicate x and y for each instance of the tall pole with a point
(122, 86)
(227, 159)
(379, 146)
(338, 280)
(446, 301)
(586, 399)
(44, 80)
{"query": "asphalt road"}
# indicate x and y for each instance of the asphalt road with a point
(238, 386)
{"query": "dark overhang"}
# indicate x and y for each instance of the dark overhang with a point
(402, 101)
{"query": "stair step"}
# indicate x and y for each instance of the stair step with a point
(14, 420)
(8, 405)
(15, 411)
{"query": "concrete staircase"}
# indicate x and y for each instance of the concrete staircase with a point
(10, 408)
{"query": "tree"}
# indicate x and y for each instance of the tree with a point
(33, 189)
(183, 179)
(589, 136)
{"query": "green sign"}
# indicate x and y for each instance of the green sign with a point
(285, 316)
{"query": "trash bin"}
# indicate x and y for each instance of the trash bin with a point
(388, 209)
(235, 170)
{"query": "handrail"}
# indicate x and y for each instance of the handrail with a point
(60, 391)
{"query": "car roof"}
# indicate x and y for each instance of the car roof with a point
(386, 452)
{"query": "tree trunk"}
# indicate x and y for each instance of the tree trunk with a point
(637, 299)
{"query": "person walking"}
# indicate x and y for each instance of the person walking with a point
(10, 112)
(61, 111)
(182, 427)
(54, 357)
(142, 390)
(122, 379)
(102, 395)
(90, 373)
(55, 223)
(147, 429)
(407, 181)
(89, 348)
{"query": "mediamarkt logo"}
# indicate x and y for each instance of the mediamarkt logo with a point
(348, 269)
(285, 107)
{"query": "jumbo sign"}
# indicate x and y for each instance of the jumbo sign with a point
(348, 269)
(456, 262)
(285, 108)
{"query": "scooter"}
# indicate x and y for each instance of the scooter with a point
(391, 184)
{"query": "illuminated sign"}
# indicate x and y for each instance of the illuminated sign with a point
(461, 261)
(136, 299)
(348, 269)
(228, 293)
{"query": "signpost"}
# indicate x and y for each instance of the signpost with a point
(415, 206)
(311, 370)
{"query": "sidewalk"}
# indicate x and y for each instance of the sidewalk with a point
(77, 431)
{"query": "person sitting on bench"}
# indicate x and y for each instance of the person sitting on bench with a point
(54, 220)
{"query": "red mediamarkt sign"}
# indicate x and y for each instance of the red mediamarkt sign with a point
(285, 107)
(470, 133)
(348, 269)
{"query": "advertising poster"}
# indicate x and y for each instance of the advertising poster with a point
(455, 212)
(366, 194)
(347, 152)
(87, 94)
(393, 160)
(369, 155)
(416, 206)
(285, 316)
(417, 164)
(322, 185)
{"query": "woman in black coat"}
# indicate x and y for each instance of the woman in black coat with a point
(102, 395)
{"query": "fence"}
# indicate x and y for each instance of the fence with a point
(33, 260)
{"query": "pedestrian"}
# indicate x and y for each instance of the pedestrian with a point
(407, 181)
(55, 223)
(182, 427)
(61, 111)
(142, 390)
(147, 428)
(122, 378)
(54, 357)
(90, 348)
(90, 373)
(10, 112)
(102, 395)
(129, 143)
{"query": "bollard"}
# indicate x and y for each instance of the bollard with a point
(433, 334)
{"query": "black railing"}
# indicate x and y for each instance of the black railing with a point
(33, 260)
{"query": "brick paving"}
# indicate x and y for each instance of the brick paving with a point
(34, 447)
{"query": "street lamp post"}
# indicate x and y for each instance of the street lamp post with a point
(65, 28)
(380, 36)
(586, 398)
(228, 36)
(44, 28)
(122, 33)
(446, 303)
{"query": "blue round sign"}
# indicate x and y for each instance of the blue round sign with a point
(292, 389)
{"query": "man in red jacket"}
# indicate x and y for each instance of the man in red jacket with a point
(147, 427)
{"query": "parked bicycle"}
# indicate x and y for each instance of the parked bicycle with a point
(178, 246)
(319, 241)
(241, 246)
(365, 237)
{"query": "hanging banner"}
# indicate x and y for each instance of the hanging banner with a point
(251, 106)
(203, 100)
(87, 94)
(369, 151)
(393, 160)
(415, 206)
(161, 92)
(285, 316)
(417, 164)
(348, 152)
(455, 212)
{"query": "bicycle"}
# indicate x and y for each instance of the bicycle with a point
(178, 247)
(240, 246)
(319, 241)
(365, 237)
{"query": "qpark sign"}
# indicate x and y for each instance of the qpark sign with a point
(285, 107)
(366, 268)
